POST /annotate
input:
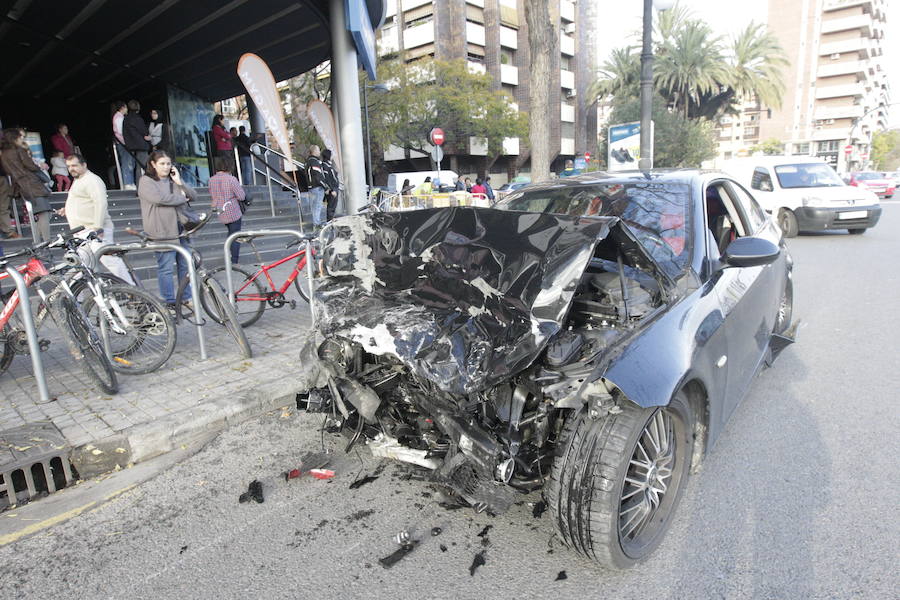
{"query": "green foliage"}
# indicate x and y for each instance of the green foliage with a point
(886, 150)
(432, 93)
(295, 96)
(697, 72)
(678, 141)
(769, 147)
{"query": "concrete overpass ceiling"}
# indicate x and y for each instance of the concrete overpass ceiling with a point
(103, 50)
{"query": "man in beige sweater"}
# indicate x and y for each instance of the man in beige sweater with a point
(86, 206)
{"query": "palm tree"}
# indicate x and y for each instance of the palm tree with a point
(690, 65)
(756, 61)
(620, 75)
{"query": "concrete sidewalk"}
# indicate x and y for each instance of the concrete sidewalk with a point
(185, 400)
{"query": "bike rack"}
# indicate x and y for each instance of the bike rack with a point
(270, 232)
(200, 314)
(37, 364)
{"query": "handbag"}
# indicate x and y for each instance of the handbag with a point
(246, 202)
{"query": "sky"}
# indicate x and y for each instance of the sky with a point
(730, 16)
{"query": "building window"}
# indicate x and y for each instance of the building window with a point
(419, 21)
(801, 148)
(827, 146)
(728, 156)
(565, 62)
(507, 57)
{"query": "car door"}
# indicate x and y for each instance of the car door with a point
(764, 189)
(744, 293)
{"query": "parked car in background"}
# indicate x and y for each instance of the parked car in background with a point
(588, 337)
(803, 193)
(508, 188)
(878, 183)
(895, 177)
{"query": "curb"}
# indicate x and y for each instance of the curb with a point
(141, 442)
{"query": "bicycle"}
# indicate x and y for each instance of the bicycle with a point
(250, 295)
(59, 303)
(140, 332)
(211, 294)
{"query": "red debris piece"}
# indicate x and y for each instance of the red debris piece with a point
(321, 473)
(292, 474)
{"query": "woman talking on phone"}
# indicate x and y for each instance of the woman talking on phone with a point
(162, 192)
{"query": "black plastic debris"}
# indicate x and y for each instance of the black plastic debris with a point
(485, 531)
(538, 509)
(436, 531)
(443, 548)
(561, 576)
(254, 492)
(361, 482)
(478, 561)
(399, 554)
(183, 548)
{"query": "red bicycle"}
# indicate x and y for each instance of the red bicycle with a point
(250, 293)
(60, 303)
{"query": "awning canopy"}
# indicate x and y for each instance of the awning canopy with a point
(103, 50)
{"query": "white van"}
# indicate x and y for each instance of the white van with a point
(804, 193)
(395, 180)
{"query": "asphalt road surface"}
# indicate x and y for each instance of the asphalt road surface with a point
(797, 500)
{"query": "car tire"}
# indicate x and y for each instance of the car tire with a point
(787, 221)
(593, 495)
(856, 231)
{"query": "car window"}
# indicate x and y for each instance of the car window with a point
(761, 180)
(723, 218)
(867, 176)
(656, 212)
(755, 215)
(807, 175)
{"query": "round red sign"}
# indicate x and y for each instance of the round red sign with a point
(848, 149)
(437, 136)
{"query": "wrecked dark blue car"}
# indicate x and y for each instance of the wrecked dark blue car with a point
(588, 337)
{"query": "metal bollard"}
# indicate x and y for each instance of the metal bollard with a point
(34, 348)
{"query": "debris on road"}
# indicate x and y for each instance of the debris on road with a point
(361, 482)
(484, 532)
(322, 473)
(397, 555)
(183, 548)
(538, 508)
(478, 561)
(561, 576)
(443, 548)
(254, 492)
(436, 531)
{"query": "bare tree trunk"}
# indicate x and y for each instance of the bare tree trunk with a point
(541, 35)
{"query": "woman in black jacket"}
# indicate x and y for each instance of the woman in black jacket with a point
(137, 136)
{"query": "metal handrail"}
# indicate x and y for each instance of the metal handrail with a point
(226, 251)
(269, 170)
(200, 315)
(34, 348)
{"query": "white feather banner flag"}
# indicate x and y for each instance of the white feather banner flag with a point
(260, 84)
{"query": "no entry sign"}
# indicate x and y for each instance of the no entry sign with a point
(437, 136)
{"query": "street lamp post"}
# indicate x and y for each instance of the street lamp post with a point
(646, 161)
(378, 87)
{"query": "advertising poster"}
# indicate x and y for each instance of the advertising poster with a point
(191, 117)
(624, 146)
(33, 139)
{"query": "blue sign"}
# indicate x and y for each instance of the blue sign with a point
(580, 164)
(360, 27)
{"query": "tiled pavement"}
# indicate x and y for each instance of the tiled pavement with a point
(150, 412)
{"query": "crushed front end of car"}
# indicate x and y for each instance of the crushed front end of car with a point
(458, 339)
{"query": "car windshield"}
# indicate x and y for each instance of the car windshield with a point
(656, 212)
(807, 175)
(868, 176)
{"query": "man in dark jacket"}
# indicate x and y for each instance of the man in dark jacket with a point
(137, 136)
(332, 184)
(316, 185)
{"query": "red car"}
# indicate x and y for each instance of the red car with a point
(873, 181)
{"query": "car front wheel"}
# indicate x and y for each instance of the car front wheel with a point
(617, 480)
(787, 221)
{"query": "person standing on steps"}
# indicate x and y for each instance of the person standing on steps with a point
(19, 165)
(226, 195)
(87, 206)
(332, 184)
(137, 137)
(315, 176)
(242, 142)
(126, 161)
(161, 192)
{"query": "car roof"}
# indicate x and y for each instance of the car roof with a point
(681, 176)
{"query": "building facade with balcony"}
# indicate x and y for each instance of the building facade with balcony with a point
(836, 93)
(492, 36)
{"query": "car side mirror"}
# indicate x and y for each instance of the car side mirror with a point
(750, 252)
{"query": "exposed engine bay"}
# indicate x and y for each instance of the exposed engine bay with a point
(458, 339)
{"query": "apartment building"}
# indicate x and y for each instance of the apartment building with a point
(492, 36)
(738, 134)
(837, 92)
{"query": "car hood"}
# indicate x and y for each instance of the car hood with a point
(464, 297)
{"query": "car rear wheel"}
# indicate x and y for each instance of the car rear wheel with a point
(856, 231)
(617, 480)
(787, 221)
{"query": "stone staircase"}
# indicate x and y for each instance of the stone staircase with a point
(124, 208)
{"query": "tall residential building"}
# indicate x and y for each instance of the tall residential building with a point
(740, 132)
(836, 85)
(492, 36)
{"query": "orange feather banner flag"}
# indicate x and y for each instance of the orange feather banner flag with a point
(260, 84)
(323, 120)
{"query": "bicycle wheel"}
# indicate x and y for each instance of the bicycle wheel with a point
(221, 306)
(85, 345)
(81, 291)
(6, 352)
(141, 331)
(302, 280)
(249, 303)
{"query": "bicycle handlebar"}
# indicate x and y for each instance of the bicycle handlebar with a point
(61, 240)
